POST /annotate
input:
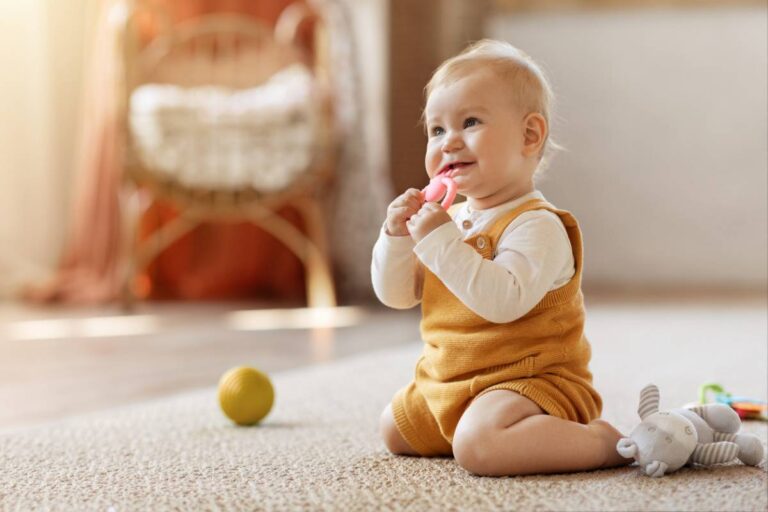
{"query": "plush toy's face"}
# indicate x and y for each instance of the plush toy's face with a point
(664, 437)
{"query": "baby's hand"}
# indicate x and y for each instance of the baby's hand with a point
(430, 217)
(401, 209)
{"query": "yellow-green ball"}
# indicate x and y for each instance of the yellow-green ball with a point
(246, 395)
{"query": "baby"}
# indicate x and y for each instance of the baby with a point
(503, 382)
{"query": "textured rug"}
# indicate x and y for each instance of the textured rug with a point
(319, 450)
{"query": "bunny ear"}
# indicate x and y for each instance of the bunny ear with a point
(649, 401)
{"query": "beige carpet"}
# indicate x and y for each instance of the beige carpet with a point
(318, 450)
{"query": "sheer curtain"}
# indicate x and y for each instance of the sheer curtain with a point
(42, 53)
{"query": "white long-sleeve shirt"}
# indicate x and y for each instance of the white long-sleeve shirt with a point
(533, 256)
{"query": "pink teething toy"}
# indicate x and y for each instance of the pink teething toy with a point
(439, 186)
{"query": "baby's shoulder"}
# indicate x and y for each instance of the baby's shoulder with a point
(541, 224)
(541, 218)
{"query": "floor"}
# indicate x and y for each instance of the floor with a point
(59, 362)
(318, 449)
(54, 363)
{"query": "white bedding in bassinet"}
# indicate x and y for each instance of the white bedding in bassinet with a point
(220, 138)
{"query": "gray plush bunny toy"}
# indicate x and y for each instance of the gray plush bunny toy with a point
(705, 434)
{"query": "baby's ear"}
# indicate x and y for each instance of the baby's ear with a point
(535, 131)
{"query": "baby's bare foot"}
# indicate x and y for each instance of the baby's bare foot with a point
(610, 437)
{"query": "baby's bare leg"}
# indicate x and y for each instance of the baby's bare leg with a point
(391, 436)
(504, 433)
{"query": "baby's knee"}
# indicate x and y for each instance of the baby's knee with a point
(474, 451)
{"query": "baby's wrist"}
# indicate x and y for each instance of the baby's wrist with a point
(389, 232)
(438, 237)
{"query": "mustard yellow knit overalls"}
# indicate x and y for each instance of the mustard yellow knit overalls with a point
(543, 355)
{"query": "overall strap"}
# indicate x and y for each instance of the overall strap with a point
(500, 224)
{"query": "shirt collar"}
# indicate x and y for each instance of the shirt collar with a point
(509, 205)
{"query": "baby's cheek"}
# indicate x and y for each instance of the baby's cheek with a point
(431, 161)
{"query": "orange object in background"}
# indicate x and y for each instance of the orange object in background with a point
(221, 261)
(750, 410)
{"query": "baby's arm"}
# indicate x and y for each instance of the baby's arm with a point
(532, 253)
(395, 271)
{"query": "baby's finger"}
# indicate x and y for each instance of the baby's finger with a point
(399, 213)
(413, 197)
(427, 208)
(412, 192)
(397, 204)
(414, 203)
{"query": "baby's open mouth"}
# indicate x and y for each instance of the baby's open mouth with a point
(448, 169)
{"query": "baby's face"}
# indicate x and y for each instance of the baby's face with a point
(475, 134)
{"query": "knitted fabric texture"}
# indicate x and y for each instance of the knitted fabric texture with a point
(543, 355)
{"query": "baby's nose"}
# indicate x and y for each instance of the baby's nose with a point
(452, 143)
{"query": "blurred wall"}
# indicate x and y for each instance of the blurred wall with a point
(663, 114)
(370, 22)
(421, 35)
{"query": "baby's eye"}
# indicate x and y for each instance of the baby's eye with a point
(436, 130)
(470, 122)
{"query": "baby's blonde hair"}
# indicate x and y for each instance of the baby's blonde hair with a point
(530, 89)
